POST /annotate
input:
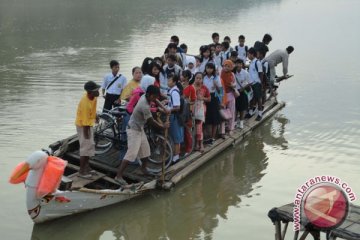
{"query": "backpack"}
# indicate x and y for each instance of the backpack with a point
(184, 114)
(265, 71)
(237, 49)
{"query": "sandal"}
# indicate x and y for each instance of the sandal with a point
(121, 181)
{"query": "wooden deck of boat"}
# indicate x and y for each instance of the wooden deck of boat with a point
(349, 229)
(184, 167)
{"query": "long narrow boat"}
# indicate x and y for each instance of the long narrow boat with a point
(77, 195)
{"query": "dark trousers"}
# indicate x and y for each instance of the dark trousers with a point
(109, 101)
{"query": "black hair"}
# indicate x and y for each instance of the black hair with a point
(202, 74)
(212, 66)
(197, 58)
(226, 45)
(214, 35)
(152, 65)
(134, 69)
(145, 67)
(152, 90)
(252, 51)
(234, 54)
(159, 59)
(267, 38)
(175, 38)
(217, 44)
(114, 63)
(290, 49)
(227, 38)
(204, 49)
(212, 45)
(186, 74)
(172, 45)
(174, 77)
(239, 61)
(171, 57)
(241, 37)
(183, 46)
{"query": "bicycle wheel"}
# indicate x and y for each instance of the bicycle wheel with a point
(104, 133)
(161, 149)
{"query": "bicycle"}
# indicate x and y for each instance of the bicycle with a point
(109, 133)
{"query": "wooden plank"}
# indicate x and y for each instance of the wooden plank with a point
(79, 182)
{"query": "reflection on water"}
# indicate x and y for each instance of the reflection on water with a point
(192, 210)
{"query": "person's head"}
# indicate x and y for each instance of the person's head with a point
(260, 54)
(184, 47)
(205, 52)
(267, 38)
(252, 53)
(172, 80)
(228, 66)
(212, 49)
(92, 89)
(233, 56)
(198, 78)
(159, 61)
(210, 69)
(137, 74)
(197, 61)
(115, 66)
(225, 46)
(145, 67)
(215, 37)
(239, 64)
(175, 39)
(186, 76)
(172, 48)
(155, 70)
(170, 60)
(227, 39)
(217, 48)
(241, 40)
(152, 93)
(290, 49)
(146, 81)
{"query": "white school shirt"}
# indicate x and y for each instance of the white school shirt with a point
(117, 87)
(225, 56)
(265, 65)
(241, 53)
(203, 64)
(174, 97)
(253, 73)
(217, 60)
(163, 84)
(242, 78)
(209, 83)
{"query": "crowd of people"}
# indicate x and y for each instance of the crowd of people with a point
(218, 89)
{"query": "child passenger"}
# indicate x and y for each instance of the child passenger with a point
(202, 97)
(242, 84)
(189, 94)
(206, 57)
(212, 116)
(176, 130)
(228, 102)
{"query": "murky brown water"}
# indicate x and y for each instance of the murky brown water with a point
(48, 49)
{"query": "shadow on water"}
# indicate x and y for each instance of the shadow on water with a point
(192, 210)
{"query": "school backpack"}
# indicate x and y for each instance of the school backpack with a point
(237, 49)
(266, 71)
(184, 114)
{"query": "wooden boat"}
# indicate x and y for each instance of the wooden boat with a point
(77, 195)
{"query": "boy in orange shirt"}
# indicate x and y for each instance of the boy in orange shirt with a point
(85, 120)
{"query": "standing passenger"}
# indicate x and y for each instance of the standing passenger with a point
(206, 57)
(176, 130)
(242, 49)
(202, 97)
(113, 85)
(215, 37)
(242, 83)
(212, 82)
(85, 120)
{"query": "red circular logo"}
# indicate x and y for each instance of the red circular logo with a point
(325, 206)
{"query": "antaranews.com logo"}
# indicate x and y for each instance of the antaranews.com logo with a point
(322, 201)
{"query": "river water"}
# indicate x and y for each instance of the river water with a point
(48, 49)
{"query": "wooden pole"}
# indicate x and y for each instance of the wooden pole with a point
(163, 157)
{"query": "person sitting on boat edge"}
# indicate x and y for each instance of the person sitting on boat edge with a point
(113, 85)
(85, 120)
(138, 145)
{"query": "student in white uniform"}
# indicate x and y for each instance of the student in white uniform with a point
(205, 58)
(255, 76)
(112, 85)
(242, 49)
(242, 85)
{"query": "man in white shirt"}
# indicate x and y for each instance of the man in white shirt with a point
(113, 85)
(255, 76)
(276, 57)
(242, 49)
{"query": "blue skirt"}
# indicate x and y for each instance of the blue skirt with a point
(176, 131)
